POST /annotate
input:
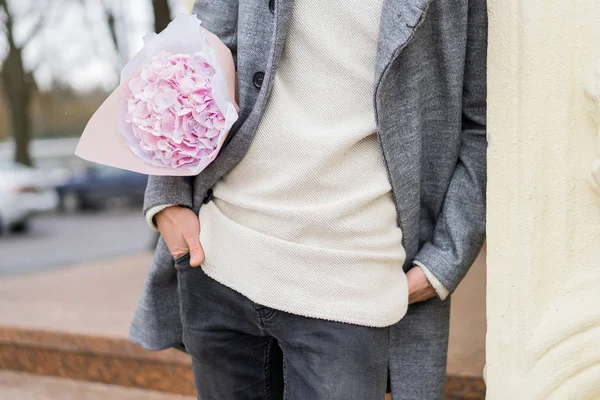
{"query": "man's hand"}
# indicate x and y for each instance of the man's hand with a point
(180, 228)
(419, 288)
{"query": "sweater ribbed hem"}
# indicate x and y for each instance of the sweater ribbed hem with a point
(314, 282)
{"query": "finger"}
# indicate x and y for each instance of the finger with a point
(196, 255)
(178, 250)
(196, 250)
(421, 295)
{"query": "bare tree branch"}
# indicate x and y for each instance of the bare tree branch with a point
(9, 23)
(44, 18)
(114, 37)
(2, 16)
(37, 27)
(112, 26)
(48, 18)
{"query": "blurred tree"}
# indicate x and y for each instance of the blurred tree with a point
(162, 14)
(18, 84)
(111, 20)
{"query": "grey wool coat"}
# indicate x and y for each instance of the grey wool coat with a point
(430, 105)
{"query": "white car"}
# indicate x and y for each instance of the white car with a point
(23, 192)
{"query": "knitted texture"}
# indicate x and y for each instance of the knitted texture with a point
(306, 222)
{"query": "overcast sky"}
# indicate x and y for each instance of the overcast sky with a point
(75, 46)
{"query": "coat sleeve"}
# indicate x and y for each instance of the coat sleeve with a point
(460, 228)
(219, 17)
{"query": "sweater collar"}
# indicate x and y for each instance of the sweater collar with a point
(399, 19)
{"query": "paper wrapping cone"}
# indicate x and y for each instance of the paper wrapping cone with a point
(101, 141)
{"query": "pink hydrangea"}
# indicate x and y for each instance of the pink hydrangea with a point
(173, 118)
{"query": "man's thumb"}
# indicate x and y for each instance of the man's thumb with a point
(196, 252)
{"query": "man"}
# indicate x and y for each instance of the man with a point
(352, 184)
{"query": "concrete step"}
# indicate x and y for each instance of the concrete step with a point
(72, 323)
(108, 360)
(23, 386)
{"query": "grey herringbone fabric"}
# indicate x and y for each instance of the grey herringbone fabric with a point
(430, 102)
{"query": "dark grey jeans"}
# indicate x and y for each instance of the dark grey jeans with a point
(236, 348)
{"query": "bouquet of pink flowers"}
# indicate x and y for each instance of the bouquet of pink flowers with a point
(173, 108)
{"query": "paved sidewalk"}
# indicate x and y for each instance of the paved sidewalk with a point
(96, 298)
(99, 298)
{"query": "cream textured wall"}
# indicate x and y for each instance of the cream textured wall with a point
(592, 90)
(543, 291)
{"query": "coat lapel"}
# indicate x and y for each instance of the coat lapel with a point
(399, 19)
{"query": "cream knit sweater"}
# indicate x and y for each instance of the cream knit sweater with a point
(306, 222)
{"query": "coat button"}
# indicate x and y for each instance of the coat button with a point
(258, 78)
(272, 6)
(208, 197)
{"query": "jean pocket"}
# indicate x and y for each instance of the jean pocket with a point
(183, 262)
